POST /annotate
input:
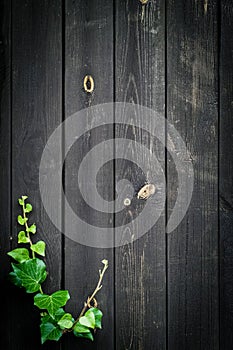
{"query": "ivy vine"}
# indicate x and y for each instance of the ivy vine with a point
(29, 272)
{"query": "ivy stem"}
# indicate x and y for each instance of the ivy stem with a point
(92, 297)
(29, 237)
(27, 229)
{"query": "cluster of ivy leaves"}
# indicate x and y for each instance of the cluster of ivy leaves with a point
(29, 272)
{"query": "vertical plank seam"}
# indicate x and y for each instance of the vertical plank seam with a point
(219, 25)
(62, 136)
(11, 121)
(114, 173)
(166, 161)
(63, 53)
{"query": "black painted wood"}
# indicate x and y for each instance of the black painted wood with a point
(160, 292)
(141, 265)
(5, 166)
(225, 176)
(192, 98)
(36, 112)
(88, 51)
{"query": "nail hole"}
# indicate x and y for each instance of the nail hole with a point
(88, 84)
(127, 202)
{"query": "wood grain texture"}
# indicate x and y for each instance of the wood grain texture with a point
(36, 93)
(225, 176)
(192, 97)
(141, 265)
(88, 51)
(160, 292)
(5, 164)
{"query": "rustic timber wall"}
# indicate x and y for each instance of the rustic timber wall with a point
(164, 291)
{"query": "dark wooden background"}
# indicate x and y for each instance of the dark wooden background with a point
(165, 291)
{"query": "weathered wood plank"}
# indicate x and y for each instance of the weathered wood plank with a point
(37, 111)
(5, 164)
(141, 265)
(192, 56)
(88, 51)
(225, 176)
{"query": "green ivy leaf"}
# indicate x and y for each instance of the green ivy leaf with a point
(49, 332)
(88, 320)
(58, 314)
(22, 238)
(98, 316)
(28, 208)
(20, 254)
(47, 319)
(39, 248)
(21, 201)
(32, 273)
(15, 280)
(66, 321)
(79, 328)
(52, 319)
(21, 220)
(32, 228)
(51, 302)
(87, 335)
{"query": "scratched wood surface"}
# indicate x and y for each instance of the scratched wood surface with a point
(5, 161)
(88, 51)
(193, 296)
(141, 265)
(36, 112)
(162, 291)
(225, 177)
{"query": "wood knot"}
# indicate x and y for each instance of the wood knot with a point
(88, 84)
(146, 191)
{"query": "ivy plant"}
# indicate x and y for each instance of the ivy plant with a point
(29, 272)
